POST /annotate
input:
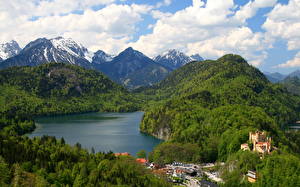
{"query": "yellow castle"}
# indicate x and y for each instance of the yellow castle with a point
(261, 143)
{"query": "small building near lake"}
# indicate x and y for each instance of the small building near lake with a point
(252, 176)
(142, 161)
(122, 154)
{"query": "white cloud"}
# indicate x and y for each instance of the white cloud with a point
(163, 3)
(250, 9)
(46, 7)
(109, 28)
(211, 29)
(295, 62)
(156, 14)
(240, 41)
(198, 3)
(284, 22)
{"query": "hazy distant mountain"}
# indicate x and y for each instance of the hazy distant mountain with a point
(44, 50)
(133, 69)
(197, 57)
(292, 84)
(9, 49)
(174, 59)
(275, 77)
(294, 74)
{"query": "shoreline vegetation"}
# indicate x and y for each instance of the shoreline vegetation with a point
(204, 111)
(45, 161)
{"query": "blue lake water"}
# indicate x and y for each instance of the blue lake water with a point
(117, 132)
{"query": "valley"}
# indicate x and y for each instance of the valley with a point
(102, 132)
(130, 67)
(161, 93)
(203, 111)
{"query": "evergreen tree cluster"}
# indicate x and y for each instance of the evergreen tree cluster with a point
(46, 161)
(205, 111)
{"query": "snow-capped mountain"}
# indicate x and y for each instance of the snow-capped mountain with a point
(133, 69)
(9, 49)
(101, 57)
(174, 59)
(130, 68)
(44, 50)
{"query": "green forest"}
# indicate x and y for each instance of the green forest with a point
(204, 111)
(47, 161)
(56, 89)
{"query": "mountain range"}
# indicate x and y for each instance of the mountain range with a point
(275, 77)
(131, 68)
(281, 78)
(42, 51)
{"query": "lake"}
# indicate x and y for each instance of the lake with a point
(117, 132)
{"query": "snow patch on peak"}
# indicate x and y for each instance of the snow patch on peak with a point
(174, 58)
(102, 57)
(89, 56)
(70, 46)
(9, 49)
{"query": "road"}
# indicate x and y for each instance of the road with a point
(192, 182)
(214, 177)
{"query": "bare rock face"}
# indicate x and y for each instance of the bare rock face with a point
(163, 133)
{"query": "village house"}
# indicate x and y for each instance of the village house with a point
(142, 161)
(252, 176)
(122, 154)
(178, 175)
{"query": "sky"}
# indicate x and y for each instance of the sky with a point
(265, 32)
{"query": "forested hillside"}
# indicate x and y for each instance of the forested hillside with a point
(46, 162)
(53, 89)
(206, 110)
(218, 89)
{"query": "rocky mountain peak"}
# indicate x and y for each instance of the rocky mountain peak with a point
(9, 49)
(174, 59)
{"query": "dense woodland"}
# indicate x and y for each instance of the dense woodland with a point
(204, 110)
(46, 161)
(54, 89)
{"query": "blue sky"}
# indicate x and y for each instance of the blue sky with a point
(265, 32)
